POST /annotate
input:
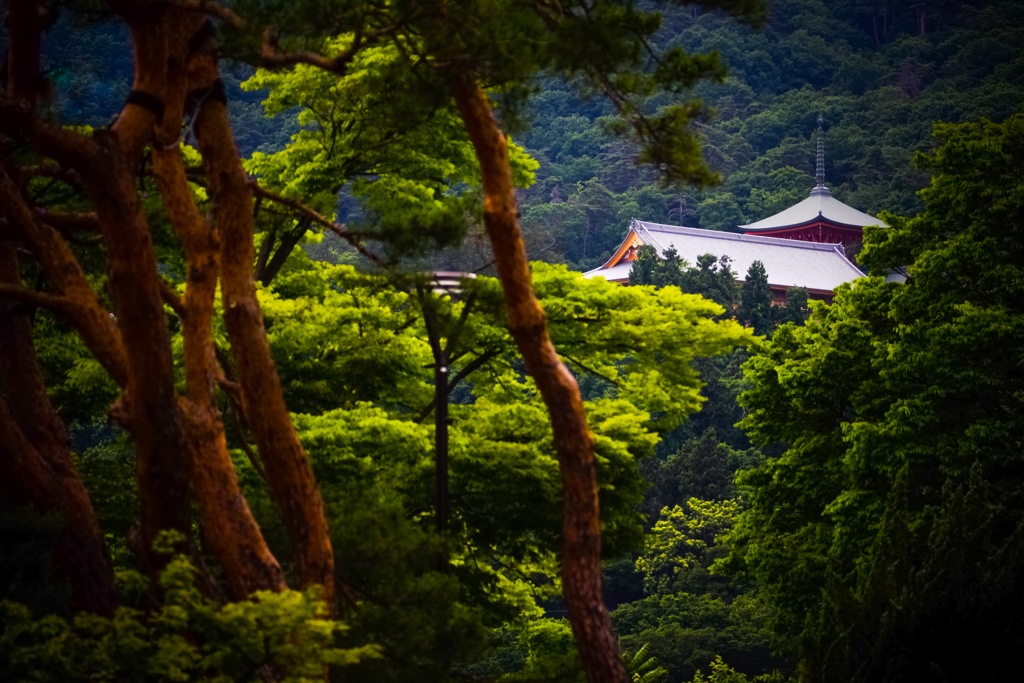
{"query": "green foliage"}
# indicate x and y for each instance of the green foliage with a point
(901, 408)
(639, 341)
(795, 310)
(690, 615)
(723, 381)
(373, 456)
(188, 637)
(339, 338)
(643, 668)
(107, 467)
(712, 278)
(78, 385)
(376, 474)
(657, 333)
(581, 229)
(684, 631)
(780, 189)
(723, 673)
(682, 537)
(408, 161)
(701, 468)
(720, 211)
(648, 267)
(755, 309)
(550, 654)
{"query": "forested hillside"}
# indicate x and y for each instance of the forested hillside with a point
(881, 73)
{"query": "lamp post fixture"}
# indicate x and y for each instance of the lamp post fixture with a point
(441, 283)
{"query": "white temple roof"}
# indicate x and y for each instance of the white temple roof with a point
(789, 263)
(820, 203)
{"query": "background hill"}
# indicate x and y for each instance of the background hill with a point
(880, 71)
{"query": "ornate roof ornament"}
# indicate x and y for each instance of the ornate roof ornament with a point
(821, 152)
(808, 220)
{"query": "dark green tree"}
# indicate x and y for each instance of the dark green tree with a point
(701, 468)
(671, 270)
(720, 211)
(755, 308)
(713, 278)
(795, 310)
(889, 536)
(647, 267)
(689, 615)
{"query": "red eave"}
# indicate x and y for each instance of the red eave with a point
(809, 225)
(631, 240)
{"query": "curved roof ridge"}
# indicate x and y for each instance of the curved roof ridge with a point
(818, 266)
(819, 204)
(736, 237)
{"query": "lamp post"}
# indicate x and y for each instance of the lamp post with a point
(442, 283)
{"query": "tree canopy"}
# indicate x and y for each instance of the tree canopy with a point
(221, 344)
(887, 536)
(162, 292)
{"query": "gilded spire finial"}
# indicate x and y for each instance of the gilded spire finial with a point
(820, 174)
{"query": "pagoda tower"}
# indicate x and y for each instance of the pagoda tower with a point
(819, 218)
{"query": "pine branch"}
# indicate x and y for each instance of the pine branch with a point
(308, 212)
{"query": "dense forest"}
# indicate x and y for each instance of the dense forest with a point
(247, 433)
(880, 73)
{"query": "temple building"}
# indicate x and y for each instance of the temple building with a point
(818, 267)
(802, 246)
(819, 218)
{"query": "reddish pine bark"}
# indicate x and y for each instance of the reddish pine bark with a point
(149, 407)
(228, 527)
(80, 305)
(289, 471)
(37, 461)
(176, 438)
(581, 530)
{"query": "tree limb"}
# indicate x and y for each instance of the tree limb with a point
(592, 371)
(272, 56)
(338, 229)
(574, 443)
(171, 298)
(50, 302)
(85, 221)
(84, 310)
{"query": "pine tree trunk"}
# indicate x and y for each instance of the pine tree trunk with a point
(228, 527)
(37, 463)
(581, 530)
(289, 471)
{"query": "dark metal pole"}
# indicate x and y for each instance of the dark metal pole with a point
(440, 410)
(441, 439)
(446, 282)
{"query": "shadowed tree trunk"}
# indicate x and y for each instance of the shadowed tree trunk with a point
(36, 457)
(180, 447)
(581, 527)
(289, 472)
